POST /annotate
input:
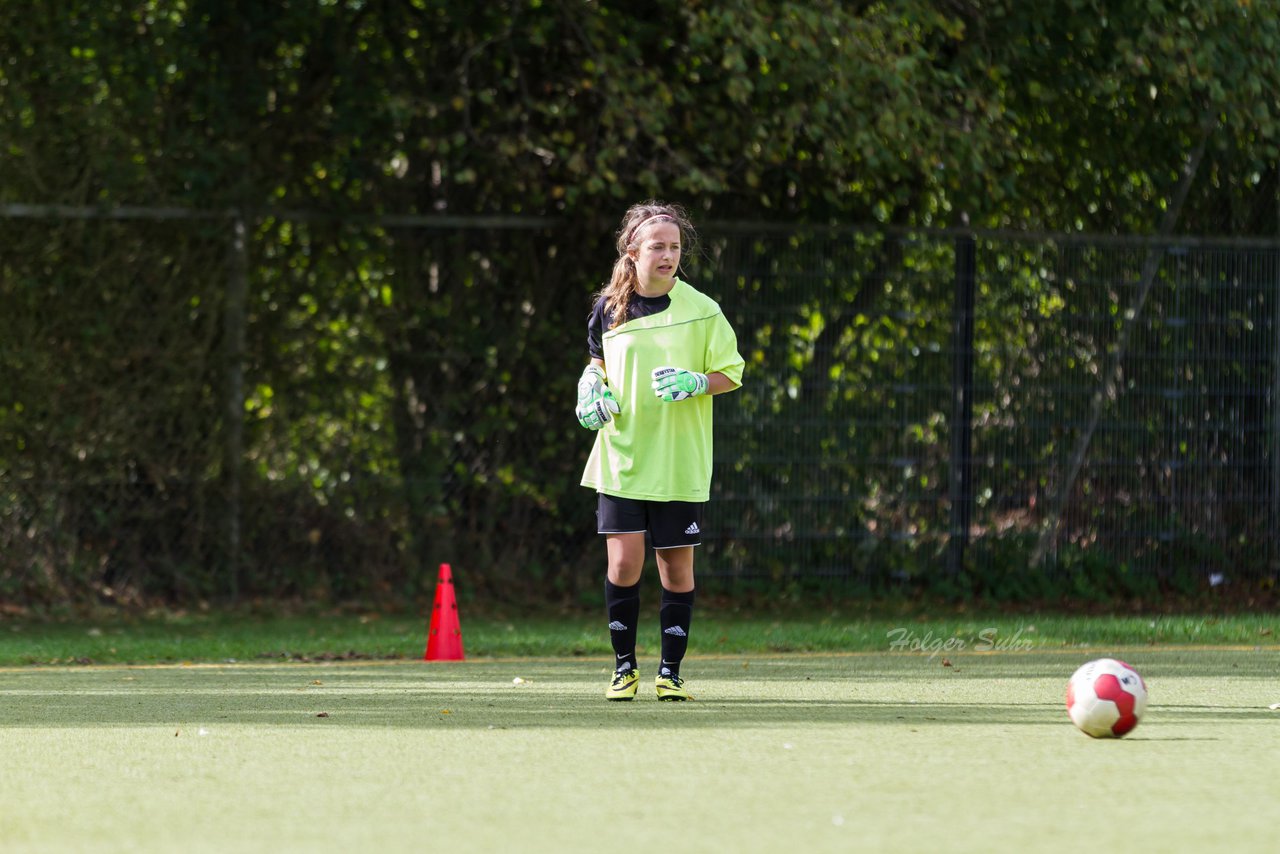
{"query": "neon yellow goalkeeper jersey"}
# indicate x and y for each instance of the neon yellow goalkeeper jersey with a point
(653, 450)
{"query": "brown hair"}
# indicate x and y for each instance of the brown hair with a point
(622, 284)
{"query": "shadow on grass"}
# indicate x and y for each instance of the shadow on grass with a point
(541, 694)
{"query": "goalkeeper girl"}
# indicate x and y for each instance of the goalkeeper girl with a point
(659, 351)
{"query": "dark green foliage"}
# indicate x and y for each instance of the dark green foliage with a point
(405, 364)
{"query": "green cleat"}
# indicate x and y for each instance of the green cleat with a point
(671, 687)
(624, 684)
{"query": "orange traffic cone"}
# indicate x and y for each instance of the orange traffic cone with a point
(444, 639)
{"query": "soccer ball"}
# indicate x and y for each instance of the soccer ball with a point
(1106, 698)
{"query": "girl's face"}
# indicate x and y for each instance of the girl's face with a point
(657, 257)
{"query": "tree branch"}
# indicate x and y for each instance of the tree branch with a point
(1111, 388)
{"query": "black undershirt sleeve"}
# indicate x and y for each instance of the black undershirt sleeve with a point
(595, 331)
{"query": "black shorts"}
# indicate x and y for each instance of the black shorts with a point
(670, 524)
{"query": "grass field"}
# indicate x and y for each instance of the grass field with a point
(914, 747)
(219, 637)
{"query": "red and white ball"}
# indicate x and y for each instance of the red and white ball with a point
(1106, 698)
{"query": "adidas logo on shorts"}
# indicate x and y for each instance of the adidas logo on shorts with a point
(693, 529)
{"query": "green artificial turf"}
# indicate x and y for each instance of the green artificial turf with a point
(877, 751)
(177, 637)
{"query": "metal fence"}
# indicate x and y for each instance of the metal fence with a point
(1004, 405)
(236, 405)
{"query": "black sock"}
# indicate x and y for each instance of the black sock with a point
(675, 616)
(623, 604)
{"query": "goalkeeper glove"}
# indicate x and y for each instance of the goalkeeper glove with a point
(677, 384)
(596, 403)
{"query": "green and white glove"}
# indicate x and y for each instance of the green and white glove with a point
(596, 403)
(672, 384)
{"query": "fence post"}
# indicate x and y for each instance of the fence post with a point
(233, 436)
(961, 485)
(1273, 433)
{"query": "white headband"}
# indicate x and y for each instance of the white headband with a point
(636, 230)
